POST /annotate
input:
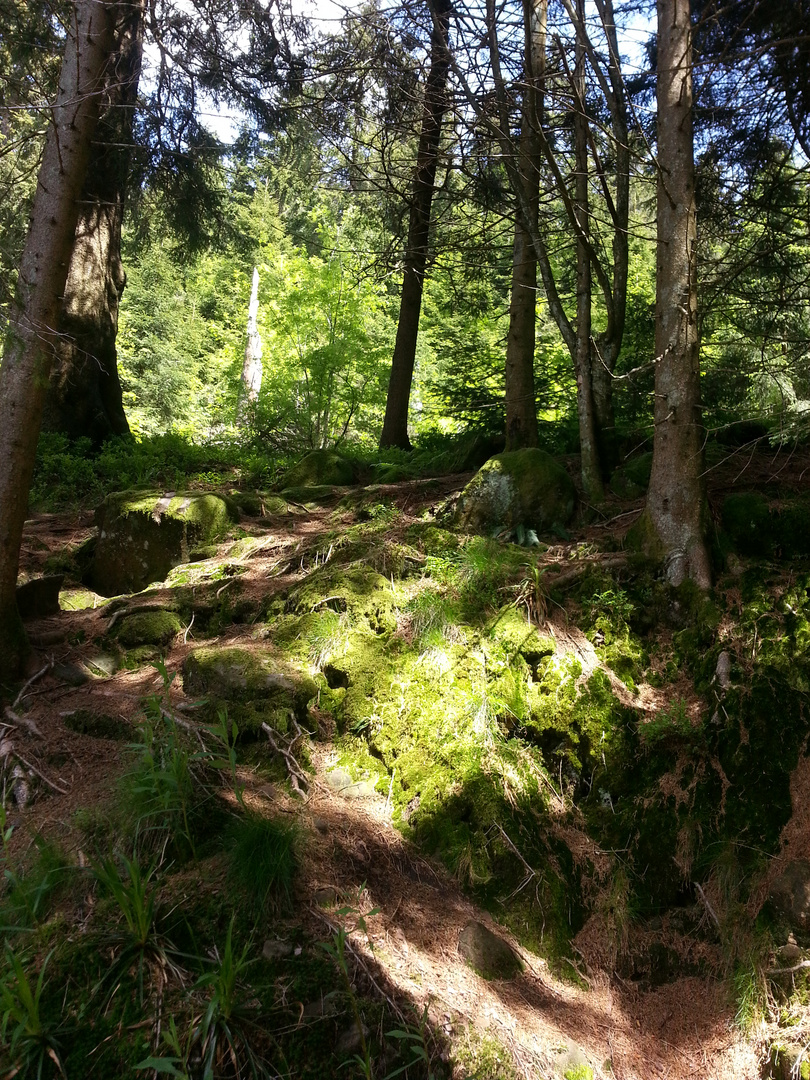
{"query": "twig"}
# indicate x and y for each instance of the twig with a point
(296, 775)
(20, 721)
(708, 906)
(229, 582)
(185, 636)
(41, 775)
(31, 681)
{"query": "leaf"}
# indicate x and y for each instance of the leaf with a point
(165, 1066)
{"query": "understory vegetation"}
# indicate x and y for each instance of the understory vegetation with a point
(591, 755)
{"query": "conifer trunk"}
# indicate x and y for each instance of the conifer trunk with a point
(84, 397)
(521, 412)
(676, 507)
(395, 424)
(32, 335)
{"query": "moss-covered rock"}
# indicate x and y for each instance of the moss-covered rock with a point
(148, 628)
(258, 685)
(320, 467)
(522, 488)
(361, 593)
(142, 536)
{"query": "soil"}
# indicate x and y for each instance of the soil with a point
(680, 1030)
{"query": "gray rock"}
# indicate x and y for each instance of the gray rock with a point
(487, 954)
(723, 670)
(351, 1040)
(143, 535)
(275, 949)
(520, 489)
(71, 674)
(790, 894)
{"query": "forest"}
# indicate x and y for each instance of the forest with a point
(405, 539)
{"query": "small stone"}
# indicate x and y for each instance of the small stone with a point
(71, 674)
(723, 670)
(322, 1006)
(326, 897)
(351, 1040)
(338, 779)
(275, 949)
(101, 665)
(487, 954)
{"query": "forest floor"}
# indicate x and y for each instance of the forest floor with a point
(407, 945)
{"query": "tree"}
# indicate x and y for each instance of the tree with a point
(32, 334)
(84, 397)
(676, 512)
(395, 424)
(521, 412)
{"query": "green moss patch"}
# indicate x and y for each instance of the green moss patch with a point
(363, 594)
(148, 628)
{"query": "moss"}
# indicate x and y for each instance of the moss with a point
(520, 488)
(311, 495)
(364, 595)
(80, 599)
(431, 540)
(321, 467)
(148, 628)
(259, 685)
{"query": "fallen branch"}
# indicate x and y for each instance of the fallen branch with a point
(710, 910)
(41, 775)
(788, 970)
(21, 722)
(31, 681)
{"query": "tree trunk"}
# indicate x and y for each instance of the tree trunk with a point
(521, 412)
(251, 382)
(32, 336)
(395, 425)
(84, 397)
(676, 501)
(588, 444)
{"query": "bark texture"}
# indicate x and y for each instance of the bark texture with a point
(84, 398)
(521, 412)
(395, 424)
(676, 499)
(32, 336)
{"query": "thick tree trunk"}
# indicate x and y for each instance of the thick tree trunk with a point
(84, 398)
(676, 501)
(521, 411)
(32, 336)
(395, 425)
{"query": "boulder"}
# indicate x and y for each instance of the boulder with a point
(149, 628)
(259, 687)
(320, 467)
(520, 489)
(487, 954)
(143, 535)
(747, 522)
